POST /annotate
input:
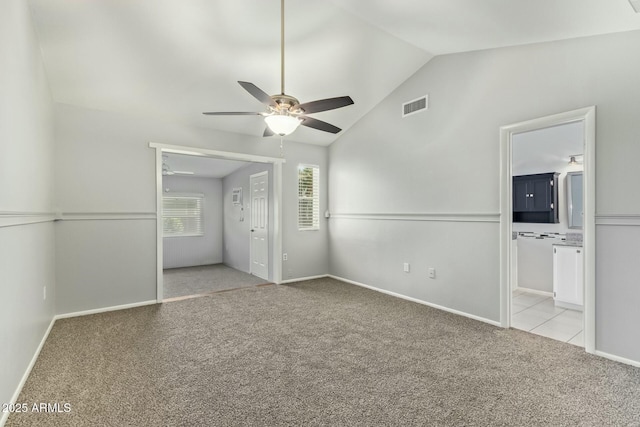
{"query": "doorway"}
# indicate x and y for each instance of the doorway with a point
(546, 239)
(272, 244)
(585, 120)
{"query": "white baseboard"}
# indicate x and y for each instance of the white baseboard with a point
(105, 309)
(436, 306)
(617, 358)
(301, 279)
(27, 372)
(535, 292)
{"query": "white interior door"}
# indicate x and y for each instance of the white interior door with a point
(259, 184)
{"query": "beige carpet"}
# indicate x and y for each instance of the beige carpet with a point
(317, 353)
(204, 279)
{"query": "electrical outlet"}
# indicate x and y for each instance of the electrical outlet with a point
(44, 293)
(406, 267)
(432, 273)
(285, 257)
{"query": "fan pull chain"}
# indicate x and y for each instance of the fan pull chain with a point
(282, 146)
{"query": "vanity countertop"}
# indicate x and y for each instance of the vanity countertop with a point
(569, 243)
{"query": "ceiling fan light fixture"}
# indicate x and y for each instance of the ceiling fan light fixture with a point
(282, 124)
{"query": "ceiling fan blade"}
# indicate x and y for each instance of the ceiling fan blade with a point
(319, 124)
(231, 113)
(259, 94)
(268, 132)
(183, 173)
(325, 104)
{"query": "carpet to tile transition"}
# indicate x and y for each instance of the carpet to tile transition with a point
(205, 279)
(320, 352)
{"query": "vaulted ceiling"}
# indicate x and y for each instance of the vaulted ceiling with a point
(175, 59)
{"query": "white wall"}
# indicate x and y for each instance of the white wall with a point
(117, 208)
(444, 164)
(237, 233)
(26, 191)
(200, 250)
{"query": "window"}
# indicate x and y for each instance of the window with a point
(308, 197)
(182, 215)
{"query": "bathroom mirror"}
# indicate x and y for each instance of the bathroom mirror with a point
(574, 199)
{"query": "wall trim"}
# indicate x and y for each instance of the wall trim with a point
(302, 279)
(421, 216)
(205, 152)
(109, 216)
(618, 219)
(436, 306)
(617, 358)
(27, 372)
(105, 309)
(14, 219)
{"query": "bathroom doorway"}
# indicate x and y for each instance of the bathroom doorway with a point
(547, 255)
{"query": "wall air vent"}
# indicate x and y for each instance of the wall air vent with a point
(636, 5)
(416, 105)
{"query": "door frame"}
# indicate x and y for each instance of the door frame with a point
(250, 225)
(586, 115)
(276, 244)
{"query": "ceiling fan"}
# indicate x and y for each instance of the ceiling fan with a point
(284, 112)
(167, 171)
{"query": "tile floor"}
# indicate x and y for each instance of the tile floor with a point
(537, 314)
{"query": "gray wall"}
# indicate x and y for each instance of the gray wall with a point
(446, 161)
(101, 263)
(117, 207)
(535, 264)
(200, 250)
(306, 259)
(26, 193)
(237, 233)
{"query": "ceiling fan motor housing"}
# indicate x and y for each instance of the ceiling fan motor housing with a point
(286, 103)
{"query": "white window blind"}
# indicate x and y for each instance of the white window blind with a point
(308, 197)
(182, 215)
